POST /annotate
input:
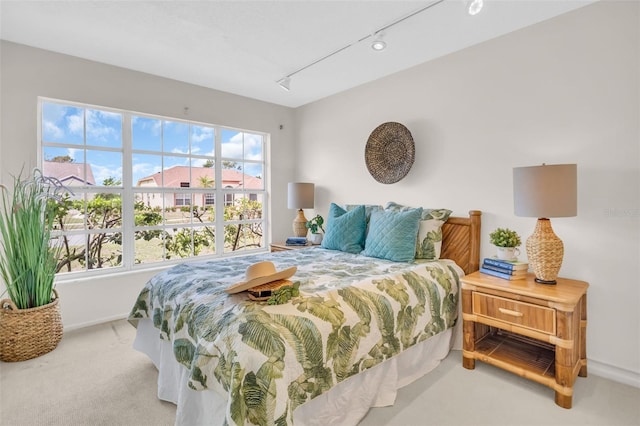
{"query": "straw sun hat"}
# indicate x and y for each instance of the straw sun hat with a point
(260, 273)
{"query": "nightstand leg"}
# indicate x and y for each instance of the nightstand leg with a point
(583, 336)
(564, 401)
(567, 355)
(468, 363)
(468, 332)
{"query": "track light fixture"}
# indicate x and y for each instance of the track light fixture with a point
(378, 44)
(285, 83)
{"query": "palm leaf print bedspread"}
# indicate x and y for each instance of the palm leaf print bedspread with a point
(353, 312)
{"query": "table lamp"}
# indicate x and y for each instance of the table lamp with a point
(545, 191)
(300, 197)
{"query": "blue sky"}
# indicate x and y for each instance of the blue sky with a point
(69, 125)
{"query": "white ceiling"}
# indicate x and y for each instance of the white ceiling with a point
(245, 47)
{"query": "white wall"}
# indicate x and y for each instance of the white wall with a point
(27, 73)
(562, 91)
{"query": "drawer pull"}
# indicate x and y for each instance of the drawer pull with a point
(510, 312)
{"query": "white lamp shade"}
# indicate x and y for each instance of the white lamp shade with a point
(300, 195)
(545, 191)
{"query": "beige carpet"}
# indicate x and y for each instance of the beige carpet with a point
(94, 377)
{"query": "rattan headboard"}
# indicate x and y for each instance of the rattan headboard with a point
(461, 241)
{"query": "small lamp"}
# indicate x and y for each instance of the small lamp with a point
(545, 191)
(300, 197)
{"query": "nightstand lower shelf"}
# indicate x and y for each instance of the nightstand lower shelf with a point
(518, 354)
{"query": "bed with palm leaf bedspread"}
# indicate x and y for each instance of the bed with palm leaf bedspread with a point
(224, 359)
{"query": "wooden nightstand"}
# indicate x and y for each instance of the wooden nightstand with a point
(534, 330)
(283, 247)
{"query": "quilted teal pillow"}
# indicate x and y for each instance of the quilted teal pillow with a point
(368, 209)
(393, 234)
(345, 230)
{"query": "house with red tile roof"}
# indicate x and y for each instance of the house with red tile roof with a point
(69, 174)
(195, 177)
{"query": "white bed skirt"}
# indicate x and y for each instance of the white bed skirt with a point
(345, 404)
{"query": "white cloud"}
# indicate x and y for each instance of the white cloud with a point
(233, 148)
(75, 124)
(102, 125)
(147, 124)
(251, 143)
(253, 146)
(51, 131)
(102, 172)
(71, 152)
(199, 134)
(142, 170)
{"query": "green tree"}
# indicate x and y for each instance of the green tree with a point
(61, 159)
(228, 164)
(206, 182)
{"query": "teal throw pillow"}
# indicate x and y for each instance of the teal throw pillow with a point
(345, 230)
(393, 234)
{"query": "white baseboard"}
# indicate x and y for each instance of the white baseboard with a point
(616, 374)
(96, 322)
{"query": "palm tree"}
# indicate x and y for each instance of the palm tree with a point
(206, 182)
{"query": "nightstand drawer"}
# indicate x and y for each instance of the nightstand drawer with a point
(538, 318)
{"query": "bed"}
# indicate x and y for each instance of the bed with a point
(360, 329)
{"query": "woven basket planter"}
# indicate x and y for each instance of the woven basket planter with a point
(29, 333)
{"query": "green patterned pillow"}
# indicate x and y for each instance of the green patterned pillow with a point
(429, 245)
(345, 230)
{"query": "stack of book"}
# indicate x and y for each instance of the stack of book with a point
(506, 269)
(296, 241)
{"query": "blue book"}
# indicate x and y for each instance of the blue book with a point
(502, 275)
(486, 265)
(296, 241)
(513, 265)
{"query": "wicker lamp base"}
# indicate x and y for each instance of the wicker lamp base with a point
(29, 333)
(545, 251)
(300, 225)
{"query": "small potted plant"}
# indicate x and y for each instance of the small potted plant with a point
(507, 243)
(315, 226)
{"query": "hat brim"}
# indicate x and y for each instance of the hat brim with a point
(246, 285)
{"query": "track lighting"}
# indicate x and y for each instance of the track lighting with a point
(377, 44)
(285, 83)
(474, 7)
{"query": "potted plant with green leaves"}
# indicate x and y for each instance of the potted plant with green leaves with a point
(507, 242)
(315, 226)
(30, 321)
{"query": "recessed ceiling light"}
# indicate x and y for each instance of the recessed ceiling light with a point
(378, 45)
(474, 7)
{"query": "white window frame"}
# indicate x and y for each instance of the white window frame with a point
(129, 192)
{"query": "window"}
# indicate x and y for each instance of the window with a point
(228, 198)
(144, 187)
(183, 200)
(210, 199)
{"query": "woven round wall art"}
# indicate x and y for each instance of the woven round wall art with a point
(389, 152)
